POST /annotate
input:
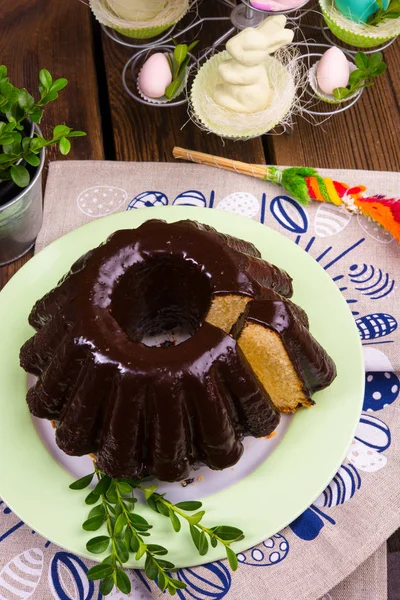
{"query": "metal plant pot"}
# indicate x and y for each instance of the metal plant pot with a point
(21, 218)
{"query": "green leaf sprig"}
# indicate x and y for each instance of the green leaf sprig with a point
(113, 504)
(18, 105)
(222, 534)
(178, 63)
(368, 68)
(392, 12)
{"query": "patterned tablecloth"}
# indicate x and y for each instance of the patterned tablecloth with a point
(335, 549)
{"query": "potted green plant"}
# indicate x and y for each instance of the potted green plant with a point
(22, 154)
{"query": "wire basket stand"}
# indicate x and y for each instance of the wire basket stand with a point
(241, 16)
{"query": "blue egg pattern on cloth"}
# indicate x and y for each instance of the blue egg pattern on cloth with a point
(370, 281)
(271, 552)
(309, 524)
(376, 325)
(190, 198)
(373, 432)
(67, 578)
(359, 10)
(289, 214)
(147, 200)
(381, 389)
(371, 439)
(342, 487)
(208, 582)
(20, 577)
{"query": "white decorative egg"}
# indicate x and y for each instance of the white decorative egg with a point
(333, 70)
(376, 360)
(240, 203)
(20, 577)
(190, 198)
(330, 219)
(374, 230)
(100, 201)
(365, 458)
(155, 76)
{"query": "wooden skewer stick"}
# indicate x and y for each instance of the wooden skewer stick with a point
(305, 184)
(235, 166)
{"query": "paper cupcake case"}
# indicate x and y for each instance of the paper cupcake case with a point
(229, 124)
(150, 29)
(360, 36)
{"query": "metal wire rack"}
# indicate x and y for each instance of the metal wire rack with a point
(240, 16)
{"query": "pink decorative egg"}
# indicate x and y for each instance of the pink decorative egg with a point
(155, 76)
(333, 70)
(276, 5)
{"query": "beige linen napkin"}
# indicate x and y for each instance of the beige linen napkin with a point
(336, 549)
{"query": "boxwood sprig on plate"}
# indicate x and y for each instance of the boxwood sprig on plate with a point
(113, 505)
(223, 534)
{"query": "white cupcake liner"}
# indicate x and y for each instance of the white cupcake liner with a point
(230, 124)
(358, 34)
(175, 11)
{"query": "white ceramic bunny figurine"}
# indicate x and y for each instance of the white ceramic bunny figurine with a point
(246, 87)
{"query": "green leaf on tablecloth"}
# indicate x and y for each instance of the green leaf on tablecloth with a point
(106, 586)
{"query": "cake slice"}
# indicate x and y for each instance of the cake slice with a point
(289, 362)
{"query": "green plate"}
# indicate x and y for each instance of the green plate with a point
(35, 486)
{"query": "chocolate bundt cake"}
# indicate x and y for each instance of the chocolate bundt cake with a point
(143, 409)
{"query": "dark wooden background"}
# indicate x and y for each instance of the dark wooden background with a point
(63, 37)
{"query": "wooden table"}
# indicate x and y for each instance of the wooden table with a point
(63, 37)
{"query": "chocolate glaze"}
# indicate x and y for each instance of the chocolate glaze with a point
(313, 365)
(144, 409)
